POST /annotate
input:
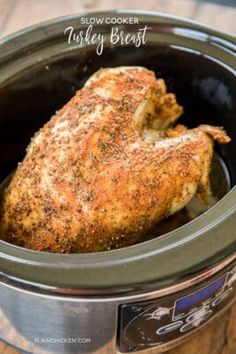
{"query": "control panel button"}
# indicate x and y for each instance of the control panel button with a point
(199, 317)
(168, 328)
(200, 313)
(187, 327)
(194, 322)
(220, 298)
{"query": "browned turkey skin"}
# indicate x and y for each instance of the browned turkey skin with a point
(107, 167)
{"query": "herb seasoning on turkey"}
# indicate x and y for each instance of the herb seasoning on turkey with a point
(107, 167)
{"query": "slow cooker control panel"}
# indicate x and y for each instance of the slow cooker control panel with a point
(156, 323)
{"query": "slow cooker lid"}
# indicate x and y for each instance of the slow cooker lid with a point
(189, 249)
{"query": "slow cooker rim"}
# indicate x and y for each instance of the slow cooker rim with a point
(226, 37)
(27, 259)
(155, 14)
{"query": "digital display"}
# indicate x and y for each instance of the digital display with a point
(186, 303)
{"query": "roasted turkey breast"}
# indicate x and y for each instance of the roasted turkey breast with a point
(107, 167)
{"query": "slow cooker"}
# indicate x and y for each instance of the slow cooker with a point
(153, 295)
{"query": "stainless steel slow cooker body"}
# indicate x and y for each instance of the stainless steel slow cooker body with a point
(154, 294)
